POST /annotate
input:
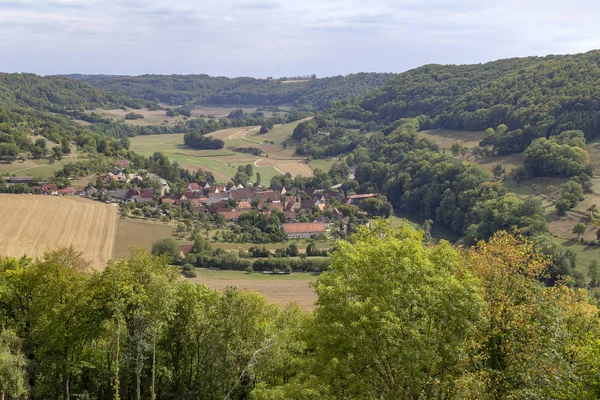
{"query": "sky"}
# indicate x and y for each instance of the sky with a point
(277, 38)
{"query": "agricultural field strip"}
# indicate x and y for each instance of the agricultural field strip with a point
(35, 224)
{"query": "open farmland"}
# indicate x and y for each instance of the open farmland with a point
(33, 225)
(156, 117)
(280, 289)
(39, 168)
(223, 163)
(445, 138)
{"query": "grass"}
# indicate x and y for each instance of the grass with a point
(223, 163)
(39, 168)
(280, 289)
(445, 138)
(139, 233)
(324, 164)
(255, 276)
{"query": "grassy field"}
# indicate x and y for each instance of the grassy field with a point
(324, 164)
(139, 233)
(224, 163)
(39, 168)
(280, 289)
(33, 225)
(157, 117)
(445, 138)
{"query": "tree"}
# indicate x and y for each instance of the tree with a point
(13, 379)
(258, 178)
(364, 306)
(264, 129)
(579, 229)
(168, 247)
(593, 273)
(536, 188)
(562, 206)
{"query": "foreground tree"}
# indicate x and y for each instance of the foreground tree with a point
(393, 318)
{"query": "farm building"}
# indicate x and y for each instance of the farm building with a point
(303, 230)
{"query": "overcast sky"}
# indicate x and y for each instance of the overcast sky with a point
(284, 37)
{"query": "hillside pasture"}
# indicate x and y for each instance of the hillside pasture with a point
(39, 168)
(445, 138)
(33, 225)
(156, 117)
(223, 163)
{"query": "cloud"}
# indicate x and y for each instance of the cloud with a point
(277, 37)
(259, 5)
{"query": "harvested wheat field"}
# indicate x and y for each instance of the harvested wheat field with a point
(33, 225)
(282, 290)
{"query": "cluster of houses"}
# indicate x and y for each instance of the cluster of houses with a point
(217, 199)
(228, 201)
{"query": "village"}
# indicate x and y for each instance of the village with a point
(255, 214)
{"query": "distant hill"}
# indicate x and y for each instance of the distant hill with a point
(309, 92)
(539, 95)
(57, 94)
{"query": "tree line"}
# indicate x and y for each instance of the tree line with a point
(193, 90)
(395, 317)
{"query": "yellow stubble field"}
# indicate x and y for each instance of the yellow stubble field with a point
(33, 225)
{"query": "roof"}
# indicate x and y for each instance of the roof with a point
(363, 196)
(304, 227)
(186, 248)
(122, 162)
(244, 205)
(193, 186)
(230, 215)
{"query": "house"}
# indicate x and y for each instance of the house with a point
(68, 191)
(121, 163)
(19, 179)
(305, 205)
(230, 216)
(185, 249)
(303, 230)
(271, 206)
(120, 177)
(134, 177)
(243, 206)
(50, 190)
(193, 187)
(241, 194)
(267, 195)
(357, 198)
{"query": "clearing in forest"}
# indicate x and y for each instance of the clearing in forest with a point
(33, 225)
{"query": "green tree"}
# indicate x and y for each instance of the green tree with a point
(168, 247)
(579, 229)
(498, 171)
(13, 377)
(388, 291)
(593, 273)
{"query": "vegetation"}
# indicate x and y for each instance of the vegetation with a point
(395, 318)
(307, 93)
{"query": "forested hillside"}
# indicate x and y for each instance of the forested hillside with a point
(31, 105)
(540, 96)
(202, 89)
(57, 94)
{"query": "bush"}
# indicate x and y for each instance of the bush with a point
(188, 271)
(249, 270)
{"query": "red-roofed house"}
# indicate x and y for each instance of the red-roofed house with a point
(303, 230)
(185, 249)
(50, 190)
